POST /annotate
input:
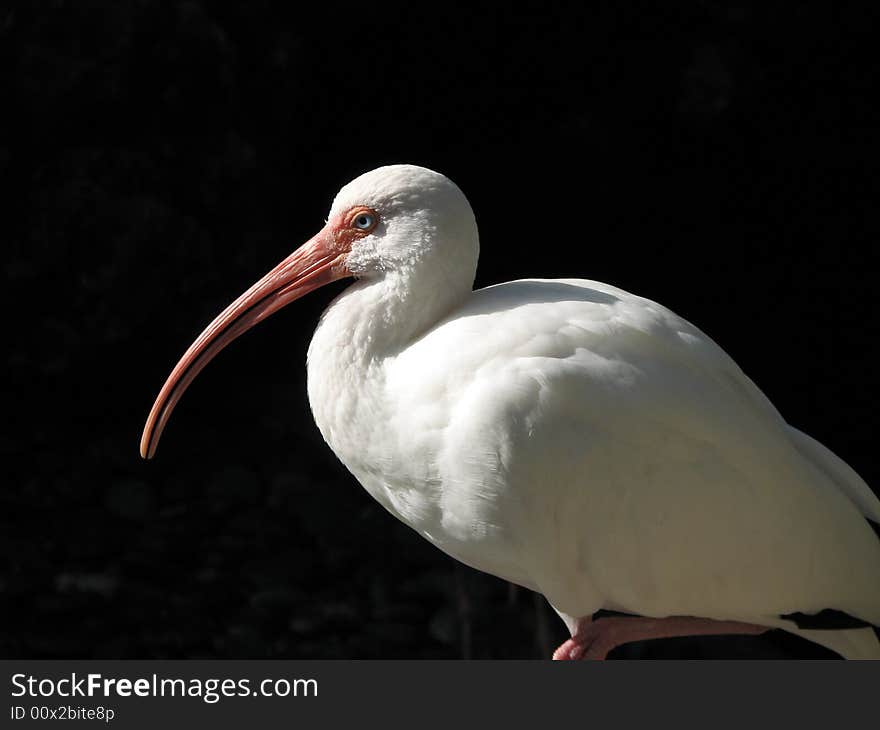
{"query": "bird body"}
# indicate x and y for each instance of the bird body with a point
(574, 438)
(589, 444)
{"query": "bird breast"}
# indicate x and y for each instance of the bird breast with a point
(417, 439)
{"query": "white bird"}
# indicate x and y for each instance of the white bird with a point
(564, 435)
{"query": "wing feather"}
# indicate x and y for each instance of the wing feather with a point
(649, 473)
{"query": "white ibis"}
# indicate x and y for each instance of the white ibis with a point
(563, 434)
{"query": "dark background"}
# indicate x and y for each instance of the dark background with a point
(158, 157)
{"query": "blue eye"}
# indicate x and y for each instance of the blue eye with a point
(364, 221)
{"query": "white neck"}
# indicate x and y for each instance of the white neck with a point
(358, 335)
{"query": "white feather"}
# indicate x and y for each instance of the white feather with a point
(577, 439)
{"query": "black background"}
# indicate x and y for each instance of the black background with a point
(160, 156)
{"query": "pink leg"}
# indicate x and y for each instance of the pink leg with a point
(573, 648)
(594, 639)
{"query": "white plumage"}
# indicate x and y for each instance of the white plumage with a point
(569, 436)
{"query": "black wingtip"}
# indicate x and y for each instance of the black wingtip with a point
(826, 619)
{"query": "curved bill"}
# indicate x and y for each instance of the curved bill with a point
(317, 262)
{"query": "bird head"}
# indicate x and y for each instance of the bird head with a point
(404, 218)
(399, 221)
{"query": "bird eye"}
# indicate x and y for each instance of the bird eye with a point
(364, 221)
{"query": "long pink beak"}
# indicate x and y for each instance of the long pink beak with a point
(315, 263)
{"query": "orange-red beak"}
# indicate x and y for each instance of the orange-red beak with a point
(317, 262)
